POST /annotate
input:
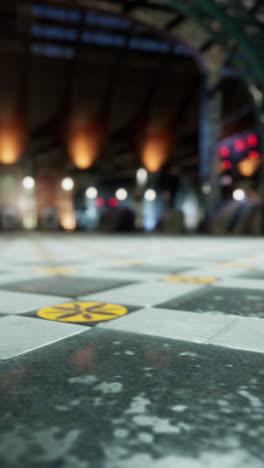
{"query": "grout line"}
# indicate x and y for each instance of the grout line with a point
(237, 348)
(226, 327)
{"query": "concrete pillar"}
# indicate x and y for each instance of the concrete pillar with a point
(47, 187)
(257, 94)
(66, 212)
(10, 197)
(209, 135)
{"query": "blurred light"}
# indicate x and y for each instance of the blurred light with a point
(149, 45)
(85, 141)
(28, 183)
(12, 141)
(150, 212)
(253, 155)
(252, 139)
(68, 221)
(82, 150)
(91, 193)
(142, 176)
(107, 21)
(224, 151)
(56, 13)
(255, 92)
(100, 202)
(206, 188)
(150, 195)
(247, 167)
(54, 32)
(239, 145)
(121, 194)
(226, 180)
(52, 50)
(29, 221)
(190, 210)
(225, 165)
(156, 149)
(67, 184)
(112, 202)
(238, 194)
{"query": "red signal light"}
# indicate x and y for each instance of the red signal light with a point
(240, 145)
(224, 151)
(226, 165)
(253, 155)
(100, 202)
(112, 202)
(252, 139)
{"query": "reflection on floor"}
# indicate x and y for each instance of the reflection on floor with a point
(124, 352)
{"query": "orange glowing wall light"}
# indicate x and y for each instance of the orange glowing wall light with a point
(156, 149)
(68, 221)
(12, 141)
(247, 167)
(85, 143)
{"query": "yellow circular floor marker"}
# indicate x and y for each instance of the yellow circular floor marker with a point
(189, 279)
(128, 261)
(56, 270)
(82, 312)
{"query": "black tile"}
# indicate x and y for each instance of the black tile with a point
(237, 301)
(107, 399)
(69, 286)
(253, 274)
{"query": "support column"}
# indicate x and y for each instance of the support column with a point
(257, 94)
(47, 187)
(261, 147)
(209, 135)
(10, 197)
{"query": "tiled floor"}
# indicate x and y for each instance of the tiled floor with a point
(124, 352)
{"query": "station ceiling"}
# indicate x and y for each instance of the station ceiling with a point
(154, 80)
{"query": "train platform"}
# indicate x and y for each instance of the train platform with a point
(131, 351)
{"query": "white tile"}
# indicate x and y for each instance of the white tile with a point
(145, 294)
(175, 324)
(19, 335)
(19, 302)
(244, 333)
(244, 283)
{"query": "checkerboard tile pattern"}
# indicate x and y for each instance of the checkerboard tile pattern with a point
(194, 289)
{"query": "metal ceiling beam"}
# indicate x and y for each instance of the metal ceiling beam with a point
(204, 12)
(257, 5)
(230, 26)
(134, 4)
(207, 45)
(175, 22)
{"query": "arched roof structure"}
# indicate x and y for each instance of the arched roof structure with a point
(228, 33)
(223, 36)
